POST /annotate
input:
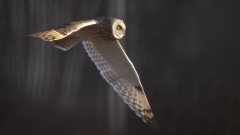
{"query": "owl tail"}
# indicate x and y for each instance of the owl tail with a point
(65, 43)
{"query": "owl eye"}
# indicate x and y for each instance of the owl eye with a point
(119, 27)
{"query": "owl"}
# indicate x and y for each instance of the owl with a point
(100, 39)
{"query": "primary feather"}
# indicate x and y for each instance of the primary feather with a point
(119, 72)
(63, 31)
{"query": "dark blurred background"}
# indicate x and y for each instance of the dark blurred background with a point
(186, 53)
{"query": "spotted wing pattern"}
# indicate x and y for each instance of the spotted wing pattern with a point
(63, 31)
(118, 71)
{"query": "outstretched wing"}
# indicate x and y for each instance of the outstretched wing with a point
(118, 71)
(63, 31)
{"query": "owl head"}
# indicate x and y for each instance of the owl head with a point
(111, 28)
(118, 29)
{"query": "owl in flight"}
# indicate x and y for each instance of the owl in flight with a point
(100, 39)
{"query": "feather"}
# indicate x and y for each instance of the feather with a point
(119, 71)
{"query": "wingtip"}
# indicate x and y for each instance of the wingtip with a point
(150, 121)
(153, 123)
(38, 35)
(30, 35)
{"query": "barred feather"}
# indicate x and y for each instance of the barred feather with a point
(118, 71)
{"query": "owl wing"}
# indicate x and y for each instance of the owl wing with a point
(118, 71)
(63, 31)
